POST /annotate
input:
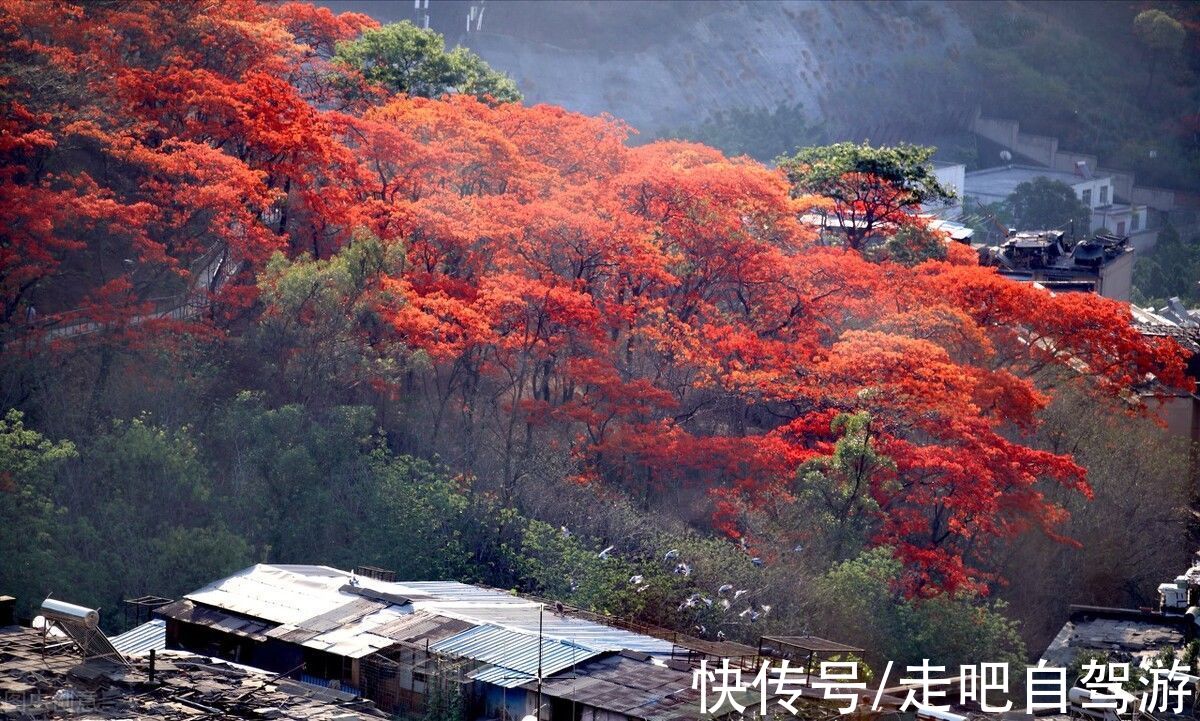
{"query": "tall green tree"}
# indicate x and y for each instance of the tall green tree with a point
(761, 133)
(1162, 35)
(1042, 204)
(406, 59)
(28, 514)
(858, 597)
(1172, 268)
(871, 187)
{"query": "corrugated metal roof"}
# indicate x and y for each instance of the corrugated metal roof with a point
(342, 615)
(636, 690)
(359, 638)
(421, 626)
(322, 607)
(522, 615)
(141, 639)
(513, 657)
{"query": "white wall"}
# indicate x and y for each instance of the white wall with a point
(1094, 185)
(953, 176)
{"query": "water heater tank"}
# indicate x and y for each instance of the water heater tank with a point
(56, 610)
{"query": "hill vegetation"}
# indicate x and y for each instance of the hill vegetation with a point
(1118, 80)
(284, 313)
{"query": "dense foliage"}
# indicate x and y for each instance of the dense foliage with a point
(762, 134)
(1170, 269)
(358, 280)
(402, 58)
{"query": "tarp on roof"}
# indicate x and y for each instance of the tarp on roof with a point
(514, 658)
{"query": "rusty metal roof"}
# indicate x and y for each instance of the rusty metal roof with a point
(810, 644)
(421, 626)
(238, 625)
(624, 685)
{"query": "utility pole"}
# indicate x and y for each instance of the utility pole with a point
(541, 611)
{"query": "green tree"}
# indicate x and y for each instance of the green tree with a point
(187, 558)
(317, 313)
(833, 490)
(302, 476)
(761, 133)
(913, 245)
(990, 221)
(1162, 35)
(139, 493)
(859, 598)
(870, 186)
(28, 514)
(406, 59)
(1171, 268)
(1044, 204)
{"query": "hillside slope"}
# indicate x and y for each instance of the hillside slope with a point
(653, 64)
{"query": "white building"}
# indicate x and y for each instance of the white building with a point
(952, 176)
(993, 185)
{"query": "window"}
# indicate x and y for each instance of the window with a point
(1103, 195)
(1134, 223)
(1087, 197)
(1121, 228)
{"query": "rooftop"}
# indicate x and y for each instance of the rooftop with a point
(624, 684)
(1130, 634)
(351, 616)
(46, 678)
(1000, 182)
(1048, 255)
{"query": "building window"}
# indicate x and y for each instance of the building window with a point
(1134, 223)
(1121, 228)
(1087, 197)
(1103, 195)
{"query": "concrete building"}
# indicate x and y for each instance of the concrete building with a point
(1134, 636)
(1178, 409)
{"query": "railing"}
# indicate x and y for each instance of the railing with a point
(209, 274)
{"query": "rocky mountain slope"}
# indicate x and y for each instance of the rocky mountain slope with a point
(654, 64)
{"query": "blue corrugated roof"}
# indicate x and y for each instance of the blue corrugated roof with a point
(150, 635)
(512, 656)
